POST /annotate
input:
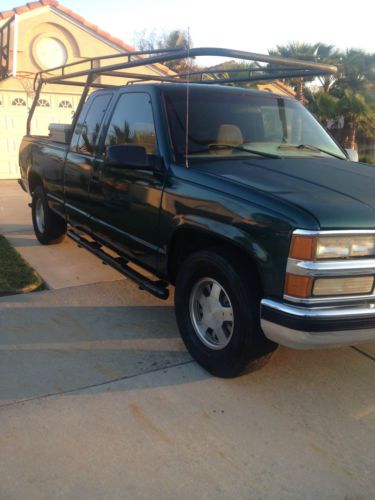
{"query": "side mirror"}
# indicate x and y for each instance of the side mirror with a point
(128, 156)
(352, 154)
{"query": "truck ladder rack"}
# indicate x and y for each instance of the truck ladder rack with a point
(157, 288)
(5, 34)
(85, 73)
(277, 67)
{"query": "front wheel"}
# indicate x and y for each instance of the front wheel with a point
(48, 226)
(217, 310)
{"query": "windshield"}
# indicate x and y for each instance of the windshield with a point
(239, 123)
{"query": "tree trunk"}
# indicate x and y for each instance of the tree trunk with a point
(348, 134)
(300, 91)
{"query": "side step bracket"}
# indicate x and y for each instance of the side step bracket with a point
(157, 288)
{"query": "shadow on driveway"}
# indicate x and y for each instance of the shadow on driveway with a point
(45, 350)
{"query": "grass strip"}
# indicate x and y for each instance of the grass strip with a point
(16, 276)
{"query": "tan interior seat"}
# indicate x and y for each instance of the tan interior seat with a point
(229, 134)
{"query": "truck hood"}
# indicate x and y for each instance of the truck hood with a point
(340, 194)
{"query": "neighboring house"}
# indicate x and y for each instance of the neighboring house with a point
(35, 37)
(277, 87)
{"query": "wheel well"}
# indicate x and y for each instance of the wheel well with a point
(188, 241)
(34, 181)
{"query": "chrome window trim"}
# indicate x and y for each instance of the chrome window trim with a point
(72, 207)
(332, 299)
(323, 312)
(310, 339)
(129, 235)
(332, 232)
(331, 268)
(55, 198)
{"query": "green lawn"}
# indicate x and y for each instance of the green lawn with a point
(16, 276)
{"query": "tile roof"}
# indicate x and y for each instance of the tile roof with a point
(6, 14)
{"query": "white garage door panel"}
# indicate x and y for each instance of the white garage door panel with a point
(13, 126)
(12, 129)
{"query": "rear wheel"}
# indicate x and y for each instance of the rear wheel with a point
(217, 309)
(48, 226)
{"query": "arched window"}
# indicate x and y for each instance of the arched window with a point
(43, 103)
(65, 104)
(18, 101)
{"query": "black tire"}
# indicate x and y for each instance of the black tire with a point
(240, 291)
(48, 227)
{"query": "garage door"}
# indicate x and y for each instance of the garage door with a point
(14, 109)
(13, 114)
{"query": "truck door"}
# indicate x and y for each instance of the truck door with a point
(126, 200)
(81, 157)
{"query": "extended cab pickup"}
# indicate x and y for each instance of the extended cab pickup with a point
(247, 206)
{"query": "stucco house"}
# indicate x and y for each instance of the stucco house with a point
(35, 37)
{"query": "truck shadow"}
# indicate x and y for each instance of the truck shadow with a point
(23, 239)
(58, 349)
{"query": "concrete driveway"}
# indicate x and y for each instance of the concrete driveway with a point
(99, 399)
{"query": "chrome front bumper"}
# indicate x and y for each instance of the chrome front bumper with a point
(315, 327)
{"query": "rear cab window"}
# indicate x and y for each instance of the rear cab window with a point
(87, 129)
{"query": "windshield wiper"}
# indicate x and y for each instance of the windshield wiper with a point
(310, 147)
(237, 148)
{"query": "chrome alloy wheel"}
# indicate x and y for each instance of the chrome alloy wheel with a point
(39, 215)
(211, 313)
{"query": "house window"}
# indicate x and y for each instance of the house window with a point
(18, 101)
(65, 104)
(50, 52)
(43, 103)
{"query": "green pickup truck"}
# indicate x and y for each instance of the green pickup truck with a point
(245, 204)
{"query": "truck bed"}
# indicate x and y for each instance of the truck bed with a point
(47, 157)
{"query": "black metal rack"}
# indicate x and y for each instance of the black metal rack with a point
(5, 31)
(121, 66)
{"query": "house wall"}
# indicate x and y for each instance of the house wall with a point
(52, 29)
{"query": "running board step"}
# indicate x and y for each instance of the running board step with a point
(157, 288)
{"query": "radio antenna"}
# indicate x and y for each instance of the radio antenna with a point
(187, 101)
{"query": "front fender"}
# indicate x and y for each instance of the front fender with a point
(260, 246)
(226, 232)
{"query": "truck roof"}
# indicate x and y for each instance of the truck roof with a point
(146, 87)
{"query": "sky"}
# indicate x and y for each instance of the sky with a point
(238, 24)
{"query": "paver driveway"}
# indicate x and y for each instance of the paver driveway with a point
(99, 399)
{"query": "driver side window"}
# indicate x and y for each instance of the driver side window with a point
(133, 123)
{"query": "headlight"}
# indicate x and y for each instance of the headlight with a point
(325, 264)
(332, 247)
(336, 248)
(343, 286)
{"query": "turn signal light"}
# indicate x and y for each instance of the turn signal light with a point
(303, 247)
(298, 286)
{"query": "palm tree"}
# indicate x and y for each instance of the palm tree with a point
(356, 72)
(297, 50)
(354, 88)
(356, 114)
(323, 105)
(328, 54)
(346, 100)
